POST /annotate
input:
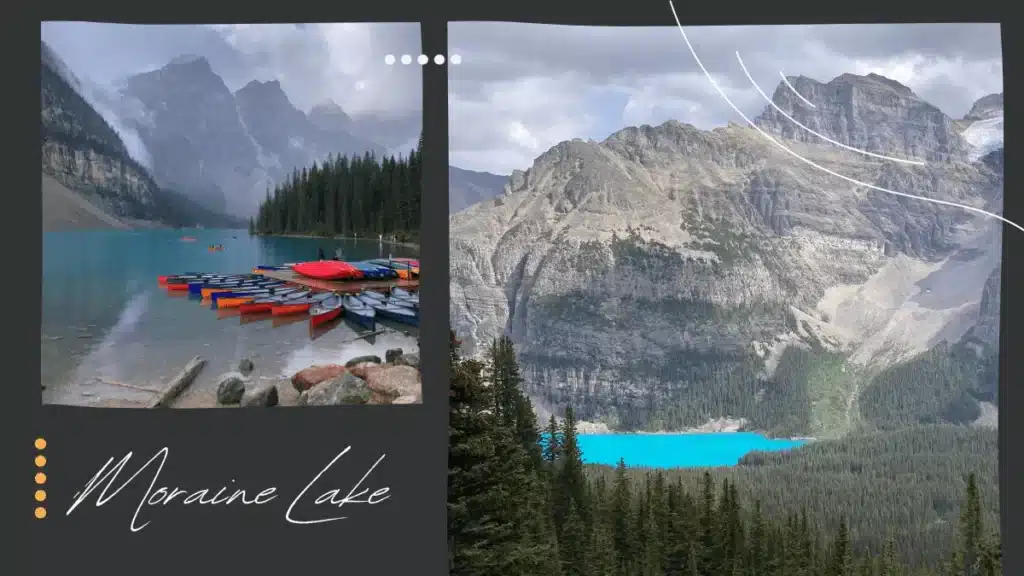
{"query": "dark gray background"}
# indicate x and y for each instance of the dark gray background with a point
(282, 447)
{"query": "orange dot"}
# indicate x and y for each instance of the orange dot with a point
(40, 512)
(40, 444)
(40, 495)
(40, 461)
(40, 478)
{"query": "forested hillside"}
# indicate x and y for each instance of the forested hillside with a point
(921, 501)
(353, 197)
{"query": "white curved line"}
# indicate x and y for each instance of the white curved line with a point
(805, 160)
(798, 95)
(822, 136)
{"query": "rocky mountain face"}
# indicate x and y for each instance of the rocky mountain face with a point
(467, 187)
(86, 156)
(81, 151)
(226, 149)
(670, 276)
(982, 128)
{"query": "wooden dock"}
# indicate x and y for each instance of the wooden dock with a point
(341, 286)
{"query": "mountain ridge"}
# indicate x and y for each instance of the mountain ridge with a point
(89, 176)
(223, 148)
(604, 261)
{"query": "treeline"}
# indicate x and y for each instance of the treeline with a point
(906, 486)
(516, 506)
(944, 384)
(358, 196)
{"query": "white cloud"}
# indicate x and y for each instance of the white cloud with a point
(522, 88)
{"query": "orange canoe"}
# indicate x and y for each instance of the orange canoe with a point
(235, 302)
(207, 292)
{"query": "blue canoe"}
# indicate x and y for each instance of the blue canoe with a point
(375, 272)
(404, 296)
(359, 312)
(403, 314)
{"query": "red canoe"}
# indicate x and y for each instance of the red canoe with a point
(328, 270)
(325, 311)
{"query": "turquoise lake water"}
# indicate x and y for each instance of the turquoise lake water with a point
(678, 450)
(105, 319)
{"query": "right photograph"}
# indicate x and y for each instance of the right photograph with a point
(725, 300)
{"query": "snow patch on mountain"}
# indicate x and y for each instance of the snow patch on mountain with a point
(984, 136)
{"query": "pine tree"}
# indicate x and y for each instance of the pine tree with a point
(840, 563)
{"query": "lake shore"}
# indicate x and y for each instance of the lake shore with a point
(714, 426)
(412, 245)
(366, 379)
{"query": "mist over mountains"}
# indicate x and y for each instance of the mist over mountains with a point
(220, 149)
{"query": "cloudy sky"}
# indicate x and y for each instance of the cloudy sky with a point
(314, 62)
(522, 88)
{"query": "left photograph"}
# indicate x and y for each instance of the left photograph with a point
(230, 214)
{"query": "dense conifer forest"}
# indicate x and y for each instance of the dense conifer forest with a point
(520, 506)
(353, 197)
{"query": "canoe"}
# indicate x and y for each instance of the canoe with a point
(265, 304)
(374, 295)
(415, 263)
(406, 296)
(327, 270)
(398, 313)
(325, 311)
(374, 271)
(208, 290)
(189, 277)
(268, 290)
(233, 302)
(404, 271)
(197, 286)
(410, 304)
(359, 312)
(235, 299)
(297, 305)
(403, 314)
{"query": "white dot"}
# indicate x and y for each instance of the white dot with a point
(439, 59)
(455, 59)
(389, 59)
(423, 59)
(406, 59)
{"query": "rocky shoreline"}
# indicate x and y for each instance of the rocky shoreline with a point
(368, 379)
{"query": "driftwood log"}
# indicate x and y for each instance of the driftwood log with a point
(180, 382)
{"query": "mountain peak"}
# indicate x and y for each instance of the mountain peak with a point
(327, 105)
(872, 80)
(258, 87)
(869, 112)
(986, 107)
(192, 60)
(329, 115)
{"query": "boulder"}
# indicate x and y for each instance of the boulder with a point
(411, 360)
(362, 359)
(407, 400)
(307, 378)
(394, 382)
(245, 366)
(391, 355)
(365, 369)
(345, 389)
(230, 388)
(263, 396)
